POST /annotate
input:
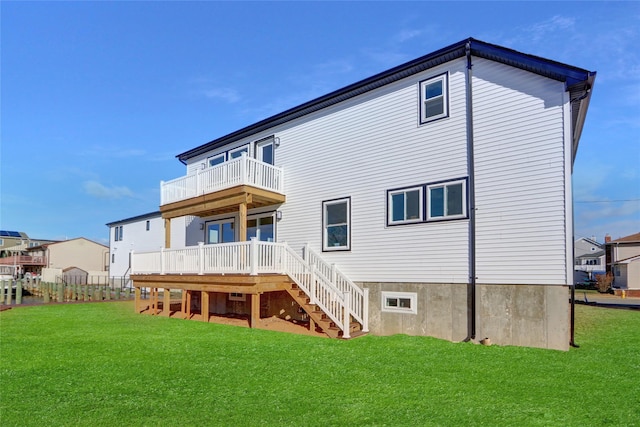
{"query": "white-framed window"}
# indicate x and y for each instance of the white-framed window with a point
(1, 242)
(400, 302)
(336, 224)
(113, 258)
(235, 296)
(405, 205)
(447, 200)
(262, 227)
(216, 160)
(237, 152)
(434, 98)
(118, 233)
(221, 231)
(265, 151)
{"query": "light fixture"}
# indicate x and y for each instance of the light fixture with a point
(202, 226)
(276, 141)
(278, 215)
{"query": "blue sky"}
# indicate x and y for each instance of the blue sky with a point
(97, 98)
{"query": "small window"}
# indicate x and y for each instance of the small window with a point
(216, 160)
(148, 225)
(117, 236)
(405, 205)
(336, 219)
(400, 302)
(235, 296)
(447, 200)
(1, 242)
(113, 258)
(434, 99)
(237, 152)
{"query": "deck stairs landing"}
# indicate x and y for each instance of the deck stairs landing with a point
(319, 317)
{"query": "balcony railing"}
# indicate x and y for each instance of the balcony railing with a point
(24, 260)
(240, 171)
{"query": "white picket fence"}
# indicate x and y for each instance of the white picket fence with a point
(240, 171)
(325, 285)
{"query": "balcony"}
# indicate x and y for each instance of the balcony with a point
(222, 188)
(24, 260)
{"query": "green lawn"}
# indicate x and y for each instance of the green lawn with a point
(102, 365)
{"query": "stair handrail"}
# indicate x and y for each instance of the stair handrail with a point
(320, 290)
(359, 301)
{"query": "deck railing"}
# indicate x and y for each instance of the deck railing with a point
(325, 285)
(24, 260)
(240, 171)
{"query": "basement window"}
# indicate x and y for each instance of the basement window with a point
(235, 296)
(400, 302)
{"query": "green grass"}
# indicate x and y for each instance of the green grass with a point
(103, 365)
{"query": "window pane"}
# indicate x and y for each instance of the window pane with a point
(252, 228)
(213, 233)
(216, 160)
(433, 89)
(434, 107)
(337, 236)
(413, 204)
(405, 302)
(266, 153)
(227, 232)
(392, 302)
(437, 202)
(337, 213)
(454, 199)
(266, 229)
(397, 209)
(236, 154)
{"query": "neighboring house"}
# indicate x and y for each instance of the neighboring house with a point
(14, 247)
(79, 253)
(411, 192)
(141, 233)
(589, 259)
(623, 261)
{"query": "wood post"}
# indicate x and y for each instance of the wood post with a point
(183, 304)
(137, 299)
(255, 310)
(188, 304)
(167, 233)
(204, 306)
(166, 302)
(242, 227)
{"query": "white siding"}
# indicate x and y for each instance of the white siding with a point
(135, 237)
(520, 176)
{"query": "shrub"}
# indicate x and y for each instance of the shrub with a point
(603, 282)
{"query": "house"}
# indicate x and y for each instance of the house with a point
(623, 262)
(397, 204)
(79, 253)
(141, 233)
(589, 259)
(14, 246)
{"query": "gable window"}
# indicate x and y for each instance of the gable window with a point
(264, 151)
(215, 160)
(336, 225)
(434, 99)
(446, 200)
(400, 302)
(405, 205)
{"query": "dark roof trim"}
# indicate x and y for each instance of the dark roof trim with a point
(135, 218)
(572, 76)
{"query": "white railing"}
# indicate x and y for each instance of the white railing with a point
(240, 171)
(359, 298)
(325, 285)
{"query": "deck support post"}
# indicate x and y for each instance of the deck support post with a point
(166, 302)
(242, 227)
(204, 306)
(183, 304)
(189, 304)
(167, 232)
(137, 299)
(255, 310)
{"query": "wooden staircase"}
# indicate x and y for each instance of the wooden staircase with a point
(319, 318)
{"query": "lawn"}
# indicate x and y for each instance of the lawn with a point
(102, 365)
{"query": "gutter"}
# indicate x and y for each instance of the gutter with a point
(472, 199)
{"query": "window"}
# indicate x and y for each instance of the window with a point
(220, 232)
(148, 225)
(113, 258)
(400, 302)
(336, 224)
(215, 160)
(405, 205)
(235, 296)
(237, 152)
(264, 151)
(261, 227)
(447, 200)
(434, 100)
(1, 242)
(117, 234)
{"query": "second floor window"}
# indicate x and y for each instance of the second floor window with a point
(434, 98)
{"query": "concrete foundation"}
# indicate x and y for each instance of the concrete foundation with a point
(522, 315)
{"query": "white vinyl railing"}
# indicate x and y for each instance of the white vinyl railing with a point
(240, 171)
(359, 298)
(325, 285)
